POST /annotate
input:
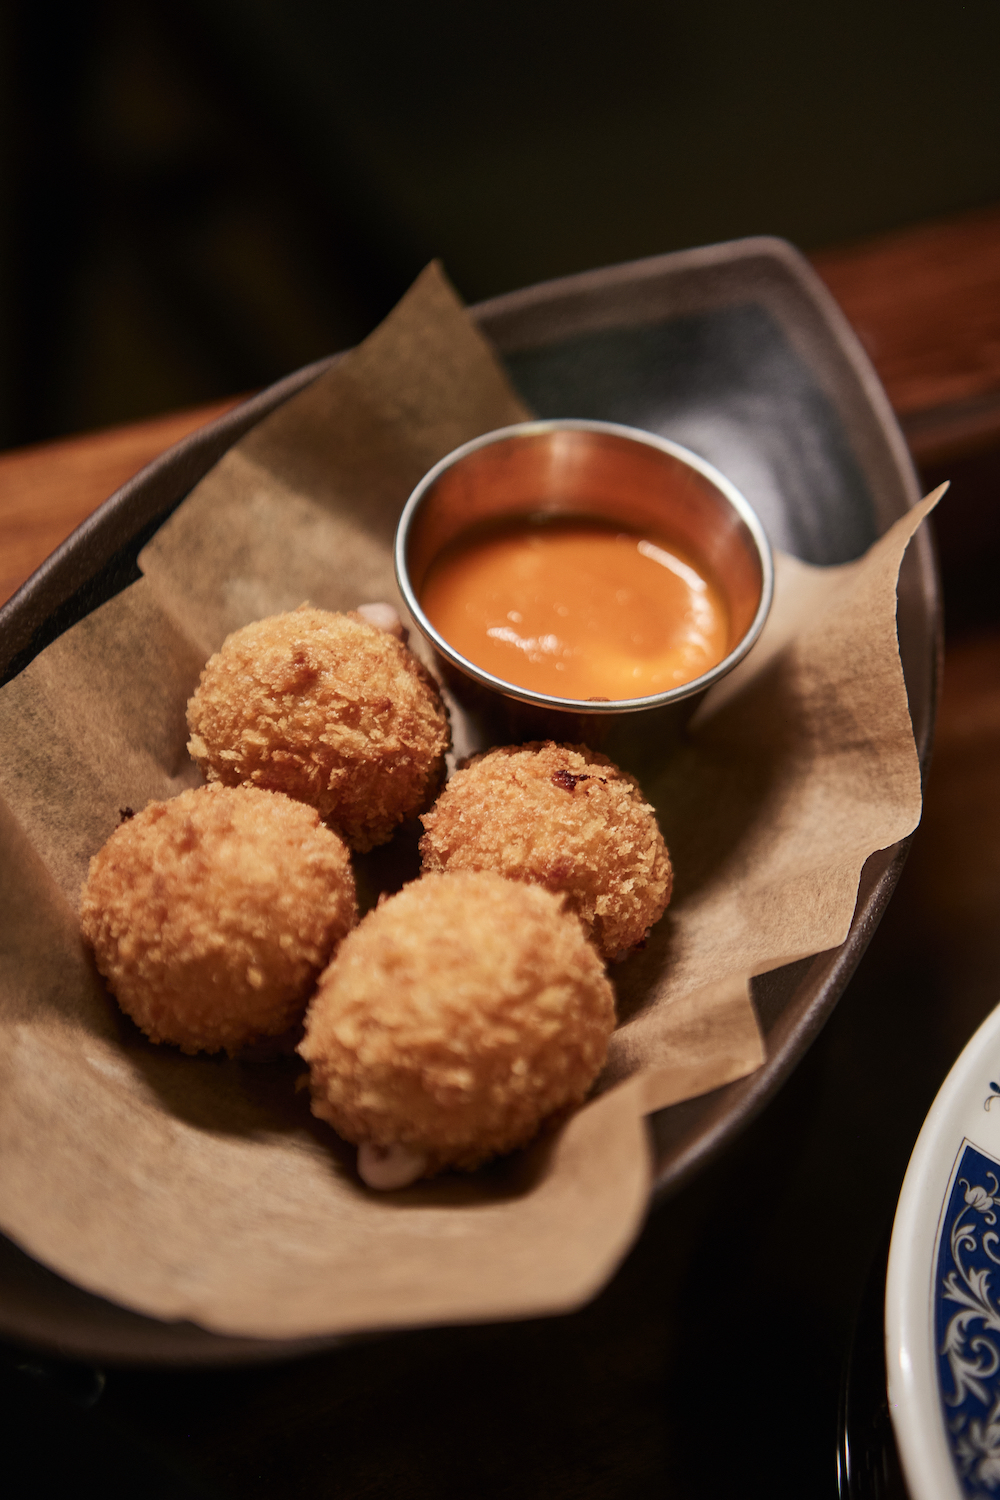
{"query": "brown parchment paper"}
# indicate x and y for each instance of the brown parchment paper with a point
(201, 1187)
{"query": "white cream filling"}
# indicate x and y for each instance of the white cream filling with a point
(384, 617)
(388, 1167)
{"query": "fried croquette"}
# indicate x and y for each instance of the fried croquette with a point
(563, 817)
(328, 709)
(459, 1015)
(211, 915)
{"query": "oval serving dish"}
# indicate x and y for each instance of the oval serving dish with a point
(736, 352)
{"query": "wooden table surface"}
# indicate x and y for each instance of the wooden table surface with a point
(925, 303)
(711, 1364)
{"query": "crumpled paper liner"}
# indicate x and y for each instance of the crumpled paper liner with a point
(202, 1188)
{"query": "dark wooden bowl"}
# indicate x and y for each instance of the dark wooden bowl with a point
(736, 351)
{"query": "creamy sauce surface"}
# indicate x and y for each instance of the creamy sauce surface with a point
(576, 608)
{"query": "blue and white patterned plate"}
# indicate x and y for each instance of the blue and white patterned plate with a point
(942, 1310)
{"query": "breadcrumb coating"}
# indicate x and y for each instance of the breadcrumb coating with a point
(328, 709)
(459, 1015)
(563, 817)
(211, 915)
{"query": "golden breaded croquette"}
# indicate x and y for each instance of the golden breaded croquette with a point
(211, 915)
(459, 1015)
(328, 709)
(563, 817)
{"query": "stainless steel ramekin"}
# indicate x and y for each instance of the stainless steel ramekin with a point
(598, 470)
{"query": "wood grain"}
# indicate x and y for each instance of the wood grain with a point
(47, 490)
(925, 303)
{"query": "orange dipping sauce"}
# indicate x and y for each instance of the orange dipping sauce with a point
(576, 608)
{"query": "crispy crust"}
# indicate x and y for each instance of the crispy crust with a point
(563, 817)
(211, 915)
(457, 1017)
(331, 711)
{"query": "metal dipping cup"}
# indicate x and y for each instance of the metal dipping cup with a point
(603, 471)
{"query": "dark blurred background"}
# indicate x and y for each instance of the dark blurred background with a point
(199, 196)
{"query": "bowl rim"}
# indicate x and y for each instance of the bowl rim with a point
(586, 706)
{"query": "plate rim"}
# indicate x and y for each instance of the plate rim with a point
(910, 1344)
